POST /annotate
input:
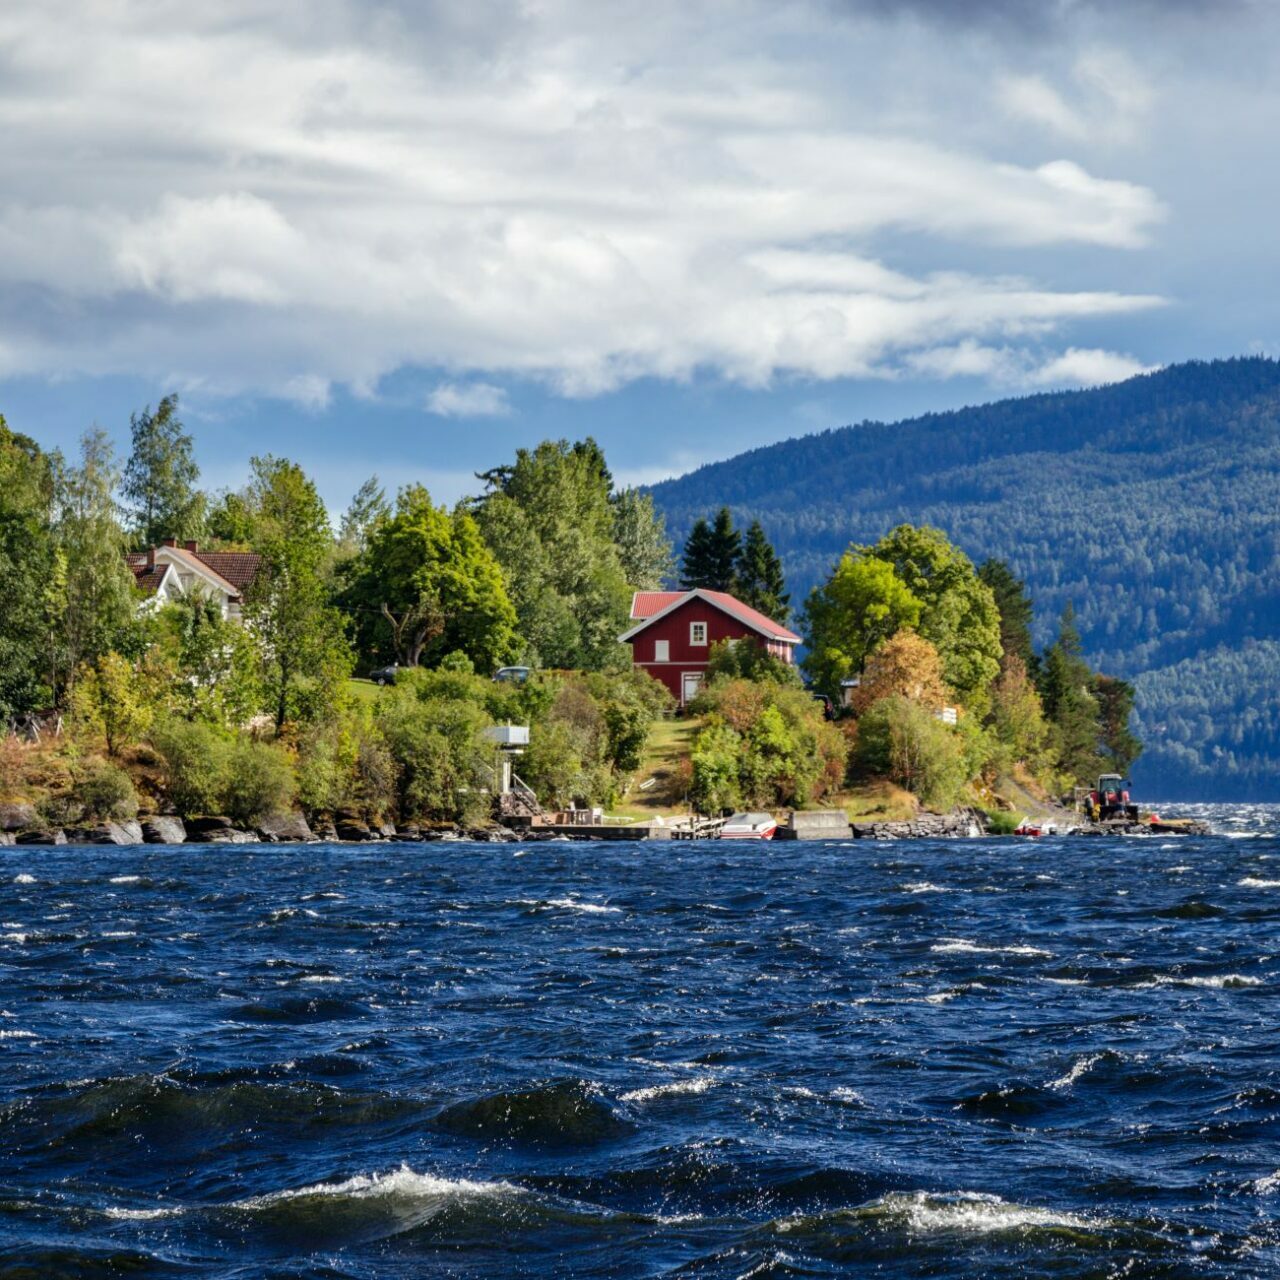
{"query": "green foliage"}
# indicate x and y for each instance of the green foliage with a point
(300, 636)
(711, 554)
(369, 508)
(26, 570)
(862, 605)
(782, 751)
(215, 662)
(443, 766)
(640, 534)
(1066, 688)
(901, 740)
(110, 699)
(1120, 745)
(103, 792)
(758, 579)
(549, 521)
(1017, 615)
(748, 661)
(1141, 501)
(260, 781)
(999, 822)
(427, 585)
(1022, 734)
(91, 590)
(197, 761)
(160, 477)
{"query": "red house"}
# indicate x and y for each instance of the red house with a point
(674, 632)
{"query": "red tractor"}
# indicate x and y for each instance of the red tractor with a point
(1110, 800)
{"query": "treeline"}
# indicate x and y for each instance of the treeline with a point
(252, 714)
(1151, 505)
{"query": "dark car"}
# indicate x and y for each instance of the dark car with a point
(828, 707)
(513, 675)
(385, 675)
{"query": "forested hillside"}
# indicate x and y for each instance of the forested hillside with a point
(1153, 505)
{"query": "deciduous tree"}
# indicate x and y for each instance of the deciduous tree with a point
(160, 477)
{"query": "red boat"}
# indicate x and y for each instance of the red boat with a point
(749, 826)
(1027, 830)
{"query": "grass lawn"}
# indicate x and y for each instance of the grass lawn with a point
(670, 742)
(878, 801)
(363, 690)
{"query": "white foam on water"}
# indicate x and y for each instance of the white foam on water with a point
(940, 997)
(140, 1215)
(17, 1035)
(120, 933)
(23, 878)
(963, 945)
(402, 1183)
(1214, 981)
(672, 1089)
(1265, 1186)
(1078, 1068)
(1253, 882)
(979, 1214)
(19, 938)
(572, 904)
(320, 977)
(842, 1093)
(924, 886)
(125, 879)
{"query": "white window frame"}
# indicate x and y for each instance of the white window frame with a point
(698, 634)
(662, 651)
(688, 679)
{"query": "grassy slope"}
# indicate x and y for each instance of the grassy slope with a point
(670, 743)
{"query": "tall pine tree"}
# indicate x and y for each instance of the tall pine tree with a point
(1015, 612)
(759, 577)
(695, 563)
(711, 554)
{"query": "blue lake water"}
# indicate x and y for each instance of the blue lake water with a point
(970, 1058)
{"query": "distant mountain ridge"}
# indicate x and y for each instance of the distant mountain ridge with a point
(1153, 504)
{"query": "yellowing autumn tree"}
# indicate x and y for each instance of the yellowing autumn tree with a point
(905, 666)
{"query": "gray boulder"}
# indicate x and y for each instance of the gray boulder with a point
(18, 816)
(217, 830)
(164, 830)
(285, 828)
(353, 829)
(41, 837)
(108, 833)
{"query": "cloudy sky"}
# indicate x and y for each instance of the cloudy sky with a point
(409, 237)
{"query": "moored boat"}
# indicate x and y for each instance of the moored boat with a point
(749, 826)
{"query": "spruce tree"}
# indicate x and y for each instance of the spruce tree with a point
(695, 563)
(759, 577)
(726, 546)
(1066, 685)
(1015, 612)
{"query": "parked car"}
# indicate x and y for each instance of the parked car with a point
(828, 707)
(385, 675)
(512, 675)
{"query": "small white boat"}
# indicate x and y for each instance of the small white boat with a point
(749, 826)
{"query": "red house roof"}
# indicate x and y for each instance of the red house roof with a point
(233, 570)
(649, 606)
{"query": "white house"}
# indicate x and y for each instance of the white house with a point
(172, 570)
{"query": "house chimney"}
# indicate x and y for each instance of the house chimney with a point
(170, 542)
(191, 546)
(151, 557)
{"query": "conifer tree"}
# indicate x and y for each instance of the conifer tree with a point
(1016, 611)
(758, 576)
(1067, 689)
(726, 547)
(695, 563)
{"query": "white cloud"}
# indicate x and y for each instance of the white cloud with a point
(468, 400)
(578, 194)
(1078, 367)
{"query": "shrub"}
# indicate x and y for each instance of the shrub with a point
(902, 740)
(104, 791)
(1000, 823)
(259, 781)
(717, 757)
(196, 759)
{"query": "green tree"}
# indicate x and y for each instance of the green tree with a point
(861, 605)
(27, 571)
(216, 664)
(716, 762)
(110, 699)
(196, 765)
(958, 611)
(260, 781)
(711, 554)
(160, 477)
(368, 509)
(695, 561)
(758, 577)
(640, 535)
(300, 636)
(1016, 611)
(550, 523)
(427, 585)
(94, 598)
(903, 741)
(1120, 745)
(1066, 687)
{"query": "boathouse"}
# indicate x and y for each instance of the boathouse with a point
(674, 632)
